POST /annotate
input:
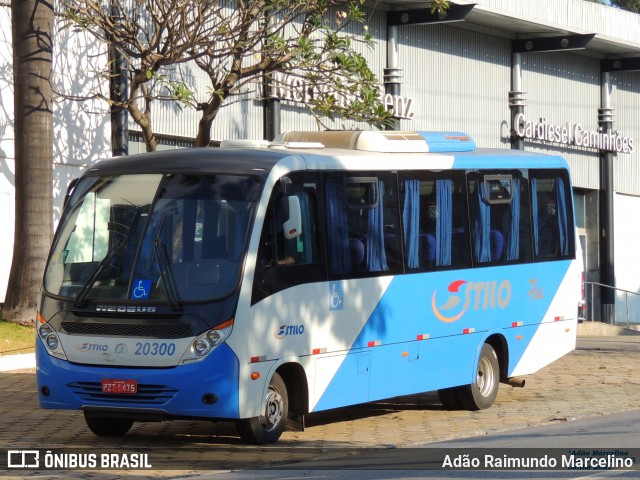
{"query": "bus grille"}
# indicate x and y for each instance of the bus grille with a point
(147, 394)
(179, 330)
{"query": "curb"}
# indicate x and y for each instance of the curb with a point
(599, 329)
(17, 362)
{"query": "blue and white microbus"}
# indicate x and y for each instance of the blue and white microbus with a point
(321, 270)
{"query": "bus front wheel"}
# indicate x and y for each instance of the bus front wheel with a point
(483, 392)
(108, 427)
(268, 427)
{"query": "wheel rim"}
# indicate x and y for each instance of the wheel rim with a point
(486, 377)
(273, 411)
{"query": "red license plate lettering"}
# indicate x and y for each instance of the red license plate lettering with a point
(119, 386)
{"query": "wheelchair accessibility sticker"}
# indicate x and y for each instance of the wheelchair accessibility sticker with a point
(336, 296)
(141, 289)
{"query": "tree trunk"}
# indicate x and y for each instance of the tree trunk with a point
(32, 26)
(209, 113)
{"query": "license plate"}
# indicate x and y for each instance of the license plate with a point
(119, 386)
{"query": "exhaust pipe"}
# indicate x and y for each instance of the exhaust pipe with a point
(514, 381)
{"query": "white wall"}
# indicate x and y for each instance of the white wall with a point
(7, 164)
(627, 255)
(82, 130)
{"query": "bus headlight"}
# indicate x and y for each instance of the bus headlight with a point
(205, 343)
(45, 330)
(50, 339)
(201, 347)
(214, 337)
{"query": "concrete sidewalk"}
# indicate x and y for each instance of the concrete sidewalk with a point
(17, 362)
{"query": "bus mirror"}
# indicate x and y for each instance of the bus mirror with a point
(293, 226)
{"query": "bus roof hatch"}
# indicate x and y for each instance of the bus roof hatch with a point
(382, 141)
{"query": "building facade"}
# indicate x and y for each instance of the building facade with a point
(559, 76)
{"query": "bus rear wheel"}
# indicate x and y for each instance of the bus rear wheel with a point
(268, 427)
(108, 427)
(481, 394)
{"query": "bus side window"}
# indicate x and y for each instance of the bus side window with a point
(499, 209)
(434, 214)
(551, 215)
(363, 225)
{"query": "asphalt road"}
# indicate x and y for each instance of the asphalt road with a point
(615, 435)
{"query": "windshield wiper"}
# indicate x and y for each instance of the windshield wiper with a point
(114, 249)
(166, 272)
(81, 298)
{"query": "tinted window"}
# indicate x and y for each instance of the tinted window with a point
(500, 217)
(552, 215)
(363, 224)
(434, 213)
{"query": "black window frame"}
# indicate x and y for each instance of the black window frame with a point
(271, 277)
(525, 231)
(394, 255)
(549, 174)
(463, 253)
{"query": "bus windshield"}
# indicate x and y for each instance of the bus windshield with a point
(152, 237)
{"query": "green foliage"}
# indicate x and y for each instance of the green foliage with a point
(74, 17)
(179, 92)
(439, 6)
(630, 5)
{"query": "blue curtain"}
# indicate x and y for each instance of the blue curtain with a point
(482, 226)
(376, 258)
(562, 217)
(444, 218)
(411, 222)
(337, 223)
(513, 241)
(534, 211)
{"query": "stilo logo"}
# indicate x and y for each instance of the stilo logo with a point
(92, 347)
(477, 296)
(286, 330)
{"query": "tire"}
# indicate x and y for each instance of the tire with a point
(481, 394)
(449, 398)
(268, 427)
(108, 427)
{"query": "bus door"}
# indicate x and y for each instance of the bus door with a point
(287, 258)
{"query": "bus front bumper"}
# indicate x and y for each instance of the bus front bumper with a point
(207, 389)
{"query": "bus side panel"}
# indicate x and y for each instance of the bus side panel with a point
(350, 385)
(176, 391)
(401, 369)
(301, 324)
(440, 362)
(556, 335)
(388, 336)
(450, 309)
